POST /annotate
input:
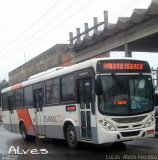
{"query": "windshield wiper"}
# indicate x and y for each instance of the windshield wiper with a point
(137, 84)
(122, 88)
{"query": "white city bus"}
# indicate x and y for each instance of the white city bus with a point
(97, 101)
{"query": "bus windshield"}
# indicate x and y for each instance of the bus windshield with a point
(126, 95)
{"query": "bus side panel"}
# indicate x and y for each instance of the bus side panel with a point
(55, 117)
(10, 121)
(26, 116)
(32, 115)
(14, 122)
(6, 120)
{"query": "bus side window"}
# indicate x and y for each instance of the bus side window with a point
(88, 93)
(56, 91)
(68, 89)
(52, 94)
(28, 97)
(48, 92)
(38, 99)
(81, 95)
(11, 102)
(19, 98)
(5, 101)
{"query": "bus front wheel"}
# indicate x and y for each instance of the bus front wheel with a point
(71, 136)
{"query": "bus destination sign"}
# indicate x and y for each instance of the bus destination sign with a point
(122, 66)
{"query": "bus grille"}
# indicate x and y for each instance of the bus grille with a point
(130, 134)
(129, 120)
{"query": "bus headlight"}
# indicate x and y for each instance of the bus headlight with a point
(150, 122)
(108, 126)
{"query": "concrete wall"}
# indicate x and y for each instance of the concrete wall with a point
(58, 55)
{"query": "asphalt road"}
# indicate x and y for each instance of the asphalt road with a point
(11, 143)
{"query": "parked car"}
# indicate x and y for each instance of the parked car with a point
(156, 116)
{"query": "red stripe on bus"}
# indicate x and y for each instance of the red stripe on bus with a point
(23, 114)
(16, 86)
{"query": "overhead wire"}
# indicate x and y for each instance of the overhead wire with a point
(50, 9)
(67, 18)
(32, 25)
(43, 27)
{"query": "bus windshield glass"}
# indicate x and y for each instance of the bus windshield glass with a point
(125, 95)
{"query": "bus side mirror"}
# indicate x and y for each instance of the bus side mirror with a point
(98, 86)
(156, 111)
(155, 99)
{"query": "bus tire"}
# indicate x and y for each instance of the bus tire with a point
(71, 136)
(24, 134)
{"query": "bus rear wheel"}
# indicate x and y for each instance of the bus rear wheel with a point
(71, 137)
(24, 134)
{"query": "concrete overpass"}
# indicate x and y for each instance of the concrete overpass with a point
(136, 33)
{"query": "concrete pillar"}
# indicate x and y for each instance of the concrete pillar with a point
(128, 51)
(95, 24)
(71, 38)
(105, 18)
(78, 35)
(86, 30)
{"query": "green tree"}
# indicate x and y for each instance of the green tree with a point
(3, 84)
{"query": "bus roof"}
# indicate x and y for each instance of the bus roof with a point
(62, 71)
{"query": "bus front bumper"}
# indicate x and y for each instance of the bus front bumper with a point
(105, 136)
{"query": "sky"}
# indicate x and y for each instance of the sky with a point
(29, 27)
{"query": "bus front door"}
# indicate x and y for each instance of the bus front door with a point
(38, 99)
(85, 100)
